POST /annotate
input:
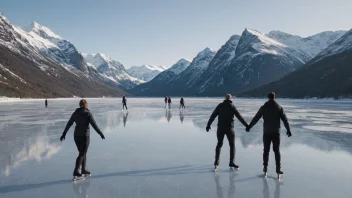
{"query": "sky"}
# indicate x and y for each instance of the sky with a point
(160, 32)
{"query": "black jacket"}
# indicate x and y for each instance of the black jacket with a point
(271, 113)
(124, 100)
(226, 112)
(82, 117)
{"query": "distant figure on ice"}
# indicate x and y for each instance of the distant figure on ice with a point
(166, 98)
(82, 117)
(169, 102)
(124, 102)
(182, 104)
(271, 112)
(46, 103)
(226, 112)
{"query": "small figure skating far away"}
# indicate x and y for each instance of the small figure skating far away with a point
(226, 112)
(82, 117)
(271, 112)
(46, 103)
(165, 99)
(169, 102)
(182, 104)
(124, 102)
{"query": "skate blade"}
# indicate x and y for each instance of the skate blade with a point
(234, 169)
(87, 175)
(216, 169)
(265, 174)
(78, 178)
(278, 176)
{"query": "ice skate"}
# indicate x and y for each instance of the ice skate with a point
(216, 168)
(78, 176)
(86, 173)
(265, 170)
(233, 166)
(279, 173)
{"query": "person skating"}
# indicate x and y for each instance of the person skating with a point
(124, 102)
(82, 117)
(169, 102)
(46, 103)
(182, 104)
(165, 99)
(226, 112)
(271, 112)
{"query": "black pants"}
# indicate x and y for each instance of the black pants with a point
(82, 143)
(230, 134)
(274, 138)
(182, 106)
(124, 105)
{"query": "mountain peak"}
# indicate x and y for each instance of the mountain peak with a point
(183, 61)
(41, 30)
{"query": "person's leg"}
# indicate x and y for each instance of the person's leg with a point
(276, 149)
(220, 136)
(266, 142)
(85, 150)
(79, 160)
(231, 138)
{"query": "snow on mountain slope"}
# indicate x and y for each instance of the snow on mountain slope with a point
(145, 72)
(192, 73)
(27, 72)
(111, 69)
(311, 45)
(156, 86)
(258, 60)
(342, 44)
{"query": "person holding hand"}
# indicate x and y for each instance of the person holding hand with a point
(272, 113)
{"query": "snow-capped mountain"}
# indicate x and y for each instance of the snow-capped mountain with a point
(27, 72)
(58, 49)
(154, 86)
(257, 60)
(183, 82)
(327, 75)
(341, 45)
(145, 72)
(311, 45)
(112, 70)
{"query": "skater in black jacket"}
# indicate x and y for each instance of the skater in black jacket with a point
(271, 112)
(82, 117)
(182, 104)
(124, 102)
(226, 112)
(169, 101)
(46, 103)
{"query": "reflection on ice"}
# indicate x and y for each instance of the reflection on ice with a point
(151, 151)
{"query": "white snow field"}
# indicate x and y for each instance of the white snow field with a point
(154, 153)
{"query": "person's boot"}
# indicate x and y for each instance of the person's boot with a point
(233, 165)
(85, 172)
(265, 170)
(279, 172)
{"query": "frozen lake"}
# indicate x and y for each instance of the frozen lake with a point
(152, 153)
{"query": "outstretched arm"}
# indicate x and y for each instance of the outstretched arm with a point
(239, 117)
(285, 120)
(69, 124)
(94, 125)
(213, 115)
(257, 117)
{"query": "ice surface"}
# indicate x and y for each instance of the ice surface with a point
(151, 152)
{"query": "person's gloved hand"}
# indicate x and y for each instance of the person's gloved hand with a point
(289, 134)
(248, 128)
(208, 128)
(62, 137)
(102, 136)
